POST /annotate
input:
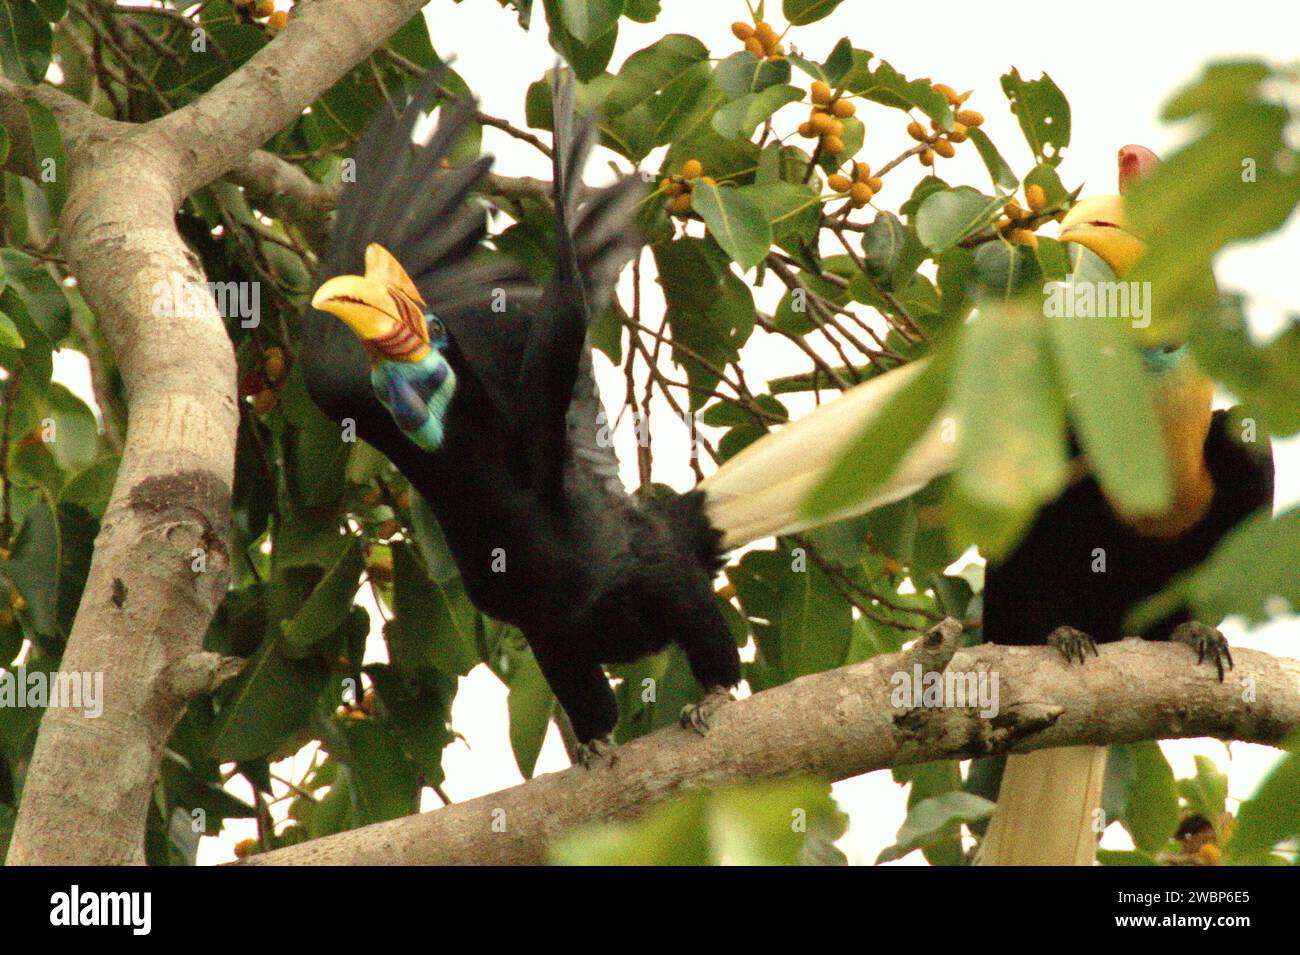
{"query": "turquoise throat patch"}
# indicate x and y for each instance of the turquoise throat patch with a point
(416, 394)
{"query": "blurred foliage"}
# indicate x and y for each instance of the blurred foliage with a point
(765, 168)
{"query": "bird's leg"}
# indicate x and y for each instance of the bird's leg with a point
(1072, 643)
(696, 716)
(1207, 641)
(596, 752)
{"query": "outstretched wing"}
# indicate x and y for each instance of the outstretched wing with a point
(559, 407)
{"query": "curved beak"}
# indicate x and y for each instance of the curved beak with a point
(362, 303)
(1098, 223)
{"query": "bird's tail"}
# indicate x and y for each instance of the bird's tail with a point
(759, 492)
(1046, 808)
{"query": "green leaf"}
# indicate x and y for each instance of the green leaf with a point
(1272, 814)
(876, 453)
(47, 148)
(1043, 113)
(791, 209)
(381, 781)
(742, 116)
(935, 818)
(33, 569)
(947, 216)
(589, 20)
(530, 704)
(742, 73)
(1151, 814)
(9, 336)
(1206, 792)
(1117, 424)
(1004, 180)
(328, 603)
(802, 12)
(710, 310)
(885, 85)
(435, 622)
(1240, 180)
(271, 700)
(1012, 454)
(26, 41)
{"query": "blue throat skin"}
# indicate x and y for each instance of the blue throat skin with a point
(1162, 359)
(417, 393)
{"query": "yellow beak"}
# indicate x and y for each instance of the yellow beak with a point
(361, 302)
(1098, 223)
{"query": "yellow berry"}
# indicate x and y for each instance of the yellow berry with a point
(861, 193)
(264, 402)
(1036, 197)
(1024, 237)
(1014, 210)
(273, 363)
(357, 714)
(727, 591)
(264, 8)
(822, 123)
(806, 131)
(277, 20)
(681, 205)
(1209, 853)
(916, 131)
(958, 134)
(821, 92)
(837, 128)
(969, 117)
(245, 848)
(838, 182)
(861, 171)
(832, 145)
(766, 35)
(776, 53)
(945, 149)
(876, 184)
(948, 93)
(753, 46)
(844, 108)
(927, 158)
(18, 601)
(692, 168)
(741, 31)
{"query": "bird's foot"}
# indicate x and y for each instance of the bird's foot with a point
(596, 752)
(1207, 641)
(1073, 644)
(696, 716)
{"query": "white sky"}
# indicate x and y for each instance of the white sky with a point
(1117, 62)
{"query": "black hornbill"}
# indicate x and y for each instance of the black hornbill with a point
(1052, 589)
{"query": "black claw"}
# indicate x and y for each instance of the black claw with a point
(696, 716)
(596, 752)
(1073, 644)
(1207, 642)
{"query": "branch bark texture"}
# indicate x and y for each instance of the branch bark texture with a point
(843, 723)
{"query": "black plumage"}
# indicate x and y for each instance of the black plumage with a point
(529, 500)
(1051, 579)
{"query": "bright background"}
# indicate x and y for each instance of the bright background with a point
(1117, 62)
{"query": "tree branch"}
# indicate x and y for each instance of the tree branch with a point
(843, 723)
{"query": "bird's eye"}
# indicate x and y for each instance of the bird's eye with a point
(436, 328)
(1170, 349)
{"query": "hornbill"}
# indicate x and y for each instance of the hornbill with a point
(1047, 589)
(493, 416)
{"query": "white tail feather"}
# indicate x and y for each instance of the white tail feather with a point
(759, 492)
(1046, 808)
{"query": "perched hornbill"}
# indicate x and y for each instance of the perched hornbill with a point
(494, 417)
(1048, 589)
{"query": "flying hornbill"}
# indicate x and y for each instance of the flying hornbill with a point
(1049, 590)
(493, 415)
